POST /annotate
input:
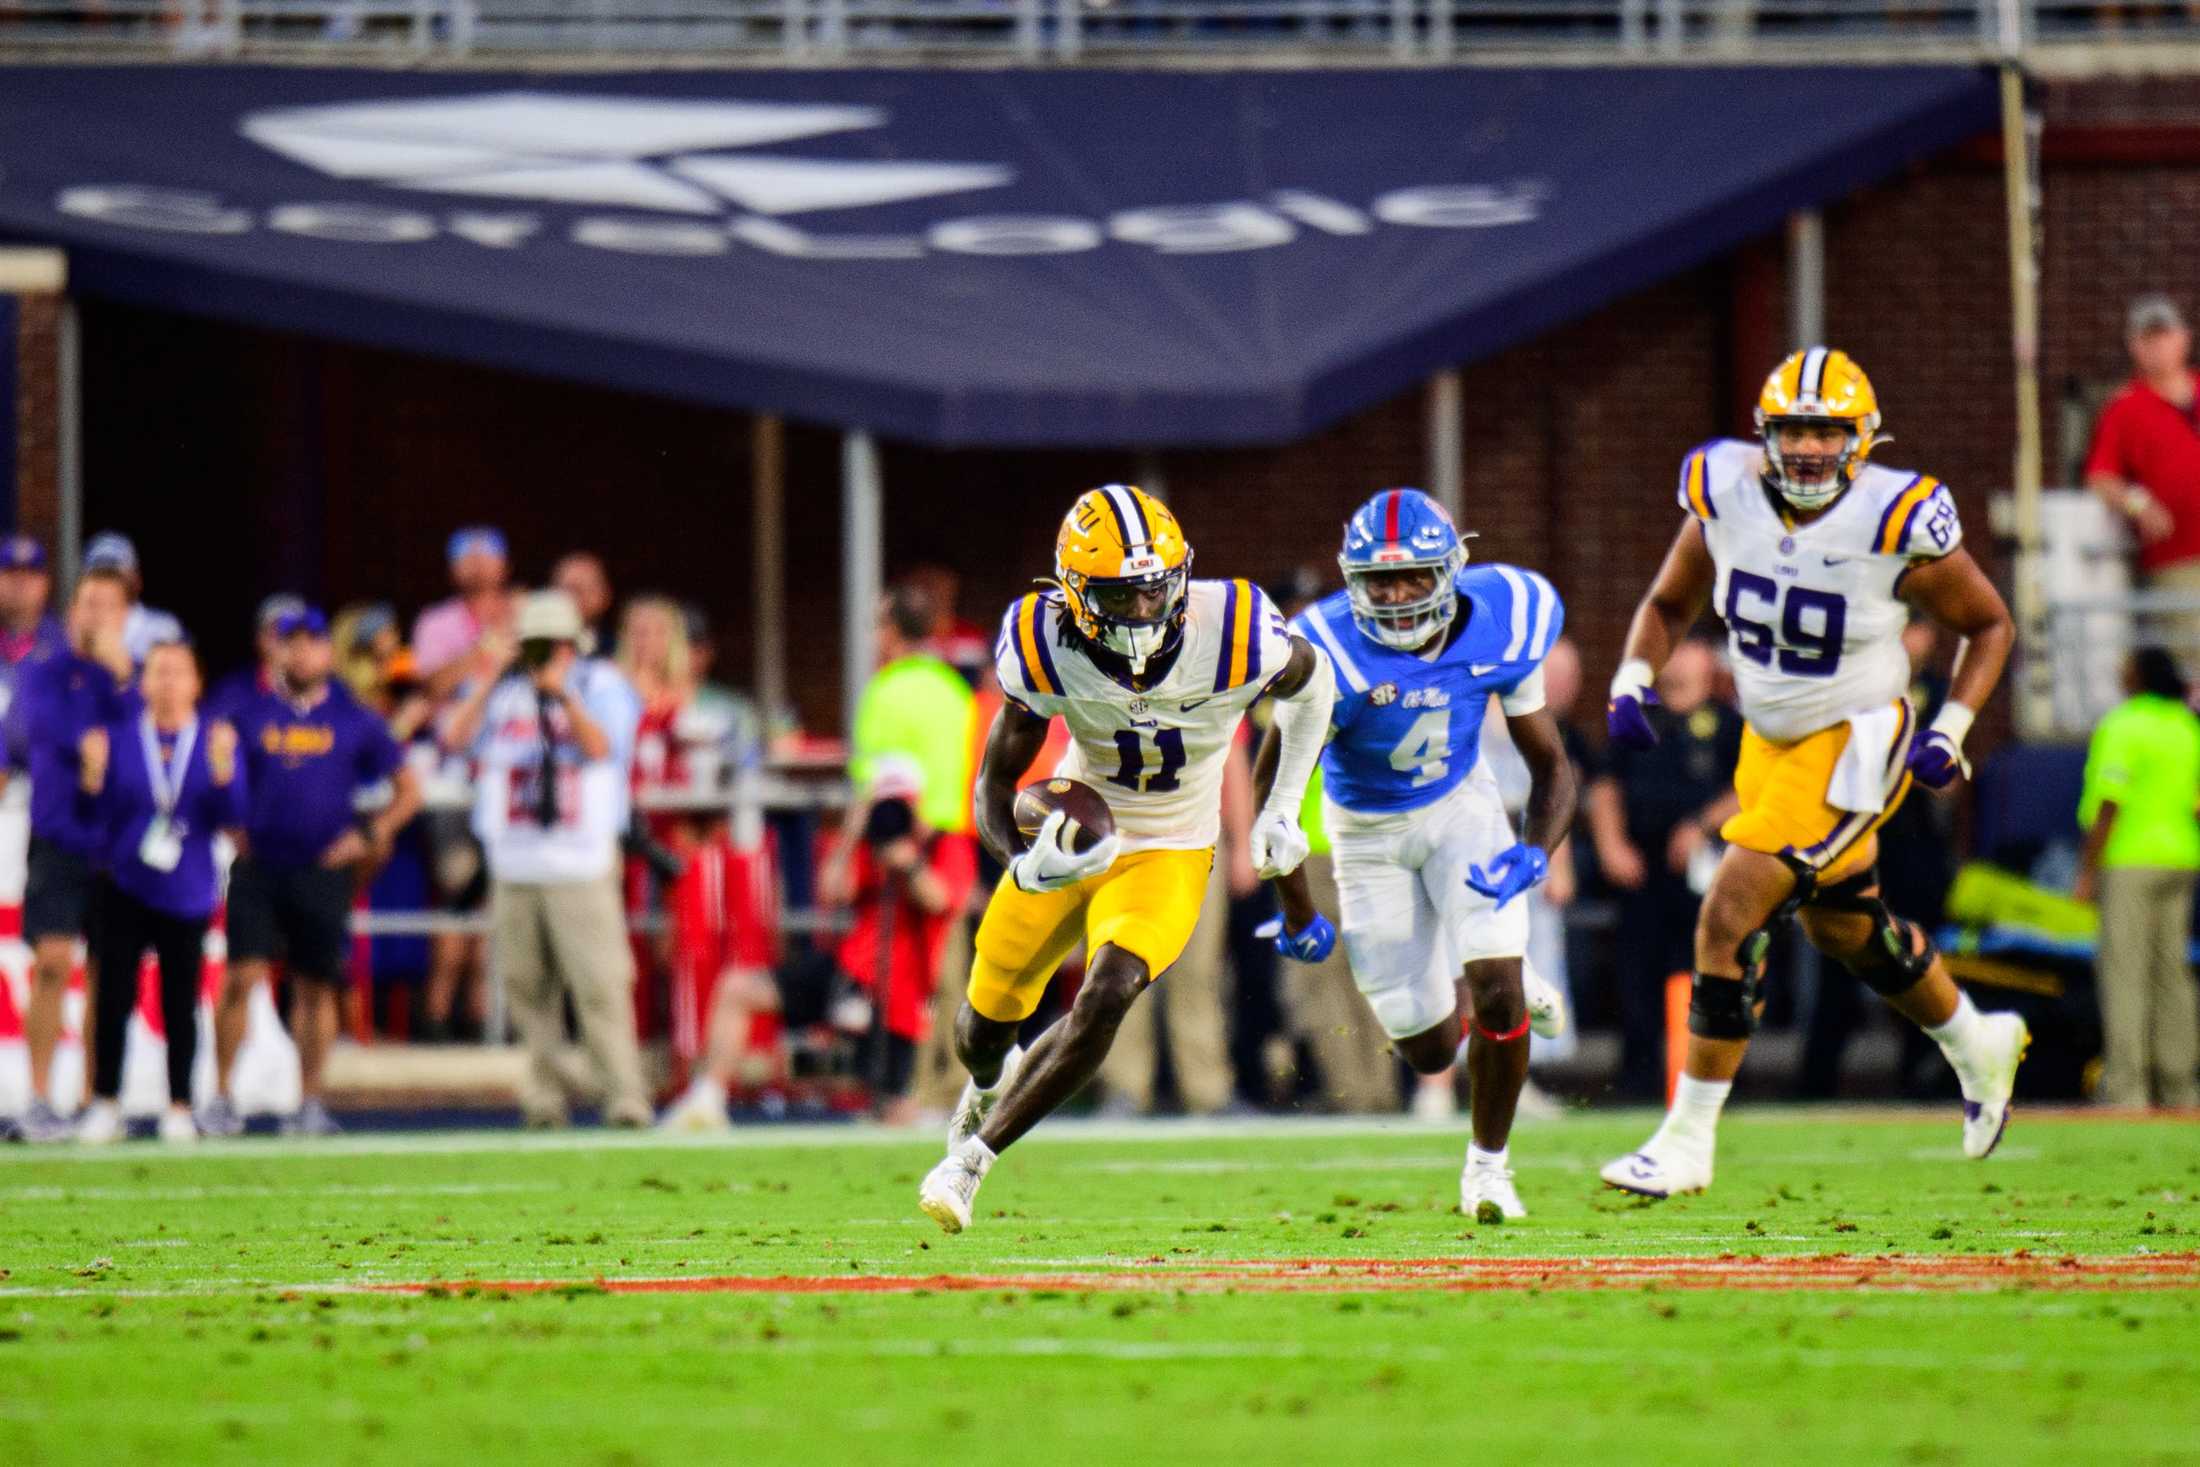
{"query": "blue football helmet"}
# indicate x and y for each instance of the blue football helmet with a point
(1397, 535)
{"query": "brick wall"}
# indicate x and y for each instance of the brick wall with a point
(37, 412)
(246, 461)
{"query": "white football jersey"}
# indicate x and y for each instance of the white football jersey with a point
(1156, 755)
(1813, 612)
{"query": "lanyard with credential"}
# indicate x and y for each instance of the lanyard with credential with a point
(167, 781)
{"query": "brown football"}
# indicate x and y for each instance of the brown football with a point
(1090, 819)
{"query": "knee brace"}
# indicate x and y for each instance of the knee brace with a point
(1726, 1008)
(1722, 1008)
(1897, 954)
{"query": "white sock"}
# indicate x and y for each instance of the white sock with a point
(1964, 1028)
(976, 1155)
(1499, 1158)
(1694, 1119)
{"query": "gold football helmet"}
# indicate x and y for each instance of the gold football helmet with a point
(1820, 387)
(1122, 564)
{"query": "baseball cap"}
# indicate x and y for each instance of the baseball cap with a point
(302, 618)
(2152, 312)
(549, 616)
(21, 552)
(275, 608)
(475, 540)
(896, 777)
(111, 551)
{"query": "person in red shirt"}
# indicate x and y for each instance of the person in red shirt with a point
(2145, 463)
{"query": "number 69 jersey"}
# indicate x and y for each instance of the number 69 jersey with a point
(1814, 612)
(1156, 754)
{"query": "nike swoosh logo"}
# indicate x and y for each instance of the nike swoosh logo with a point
(1483, 669)
(1199, 703)
(1835, 559)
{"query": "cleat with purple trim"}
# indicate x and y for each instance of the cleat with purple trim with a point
(1658, 1172)
(1989, 1083)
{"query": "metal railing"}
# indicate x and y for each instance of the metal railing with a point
(1048, 31)
(2088, 639)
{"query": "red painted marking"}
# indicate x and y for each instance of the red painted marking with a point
(1813, 1274)
(1390, 516)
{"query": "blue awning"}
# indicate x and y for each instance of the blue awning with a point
(955, 257)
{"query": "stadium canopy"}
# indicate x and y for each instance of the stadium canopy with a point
(956, 257)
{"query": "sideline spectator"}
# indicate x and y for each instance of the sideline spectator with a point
(27, 628)
(1650, 815)
(902, 883)
(145, 628)
(63, 697)
(953, 638)
(2145, 463)
(718, 717)
(918, 706)
(309, 748)
(448, 631)
(376, 667)
(554, 740)
(581, 576)
(158, 788)
(247, 683)
(2142, 852)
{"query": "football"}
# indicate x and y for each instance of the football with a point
(1090, 819)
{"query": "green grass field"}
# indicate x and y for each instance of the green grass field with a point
(1123, 1298)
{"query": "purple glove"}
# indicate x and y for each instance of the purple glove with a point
(1625, 722)
(1310, 944)
(1935, 761)
(1516, 868)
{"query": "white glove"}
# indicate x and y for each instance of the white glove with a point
(1048, 865)
(1278, 845)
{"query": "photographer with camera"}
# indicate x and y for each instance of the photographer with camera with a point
(901, 883)
(553, 739)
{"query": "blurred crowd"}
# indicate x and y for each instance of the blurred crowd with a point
(550, 773)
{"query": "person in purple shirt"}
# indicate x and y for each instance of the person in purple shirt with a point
(239, 688)
(27, 629)
(79, 687)
(309, 748)
(157, 788)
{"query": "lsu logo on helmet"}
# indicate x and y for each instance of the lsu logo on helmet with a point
(1123, 566)
(1820, 387)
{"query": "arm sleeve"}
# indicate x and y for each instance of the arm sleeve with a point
(1302, 722)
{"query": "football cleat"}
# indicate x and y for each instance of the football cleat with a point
(1546, 1005)
(100, 1125)
(974, 1105)
(1987, 1090)
(1486, 1193)
(702, 1109)
(951, 1187)
(1658, 1172)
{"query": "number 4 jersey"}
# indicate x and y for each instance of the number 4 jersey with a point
(1408, 728)
(1157, 754)
(1814, 612)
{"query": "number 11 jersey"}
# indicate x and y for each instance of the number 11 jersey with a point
(1156, 753)
(1814, 612)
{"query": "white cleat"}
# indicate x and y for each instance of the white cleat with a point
(702, 1109)
(101, 1124)
(1546, 1005)
(1986, 1094)
(951, 1187)
(974, 1105)
(1487, 1195)
(1658, 1172)
(177, 1128)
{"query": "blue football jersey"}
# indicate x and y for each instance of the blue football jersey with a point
(1406, 730)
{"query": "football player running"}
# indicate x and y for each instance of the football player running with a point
(1429, 870)
(1152, 671)
(1809, 553)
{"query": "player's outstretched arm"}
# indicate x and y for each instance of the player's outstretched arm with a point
(1304, 691)
(1554, 788)
(1013, 742)
(1954, 592)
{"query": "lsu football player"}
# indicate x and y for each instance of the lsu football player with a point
(1814, 557)
(1152, 671)
(1429, 869)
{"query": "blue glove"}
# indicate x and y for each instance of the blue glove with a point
(1625, 723)
(1310, 944)
(1516, 868)
(1935, 761)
